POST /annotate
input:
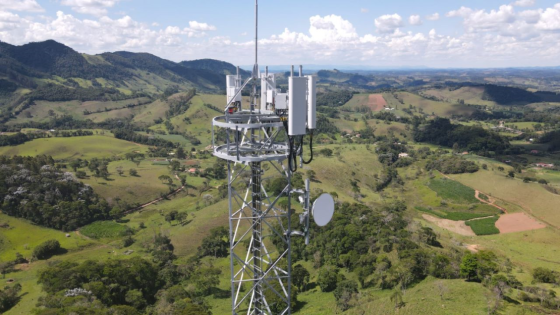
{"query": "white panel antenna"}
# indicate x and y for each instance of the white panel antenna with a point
(311, 102)
(281, 101)
(232, 85)
(297, 106)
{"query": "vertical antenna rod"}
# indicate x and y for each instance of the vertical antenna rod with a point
(256, 31)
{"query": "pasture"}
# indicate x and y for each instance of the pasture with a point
(86, 147)
(139, 189)
(532, 197)
(104, 229)
(443, 109)
(470, 94)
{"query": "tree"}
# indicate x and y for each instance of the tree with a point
(9, 297)
(164, 178)
(136, 299)
(311, 175)
(216, 244)
(46, 249)
(182, 216)
(469, 267)
(344, 292)
(120, 170)
(334, 194)
(327, 278)
(74, 165)
(127, 241)
(511, 174)
(300, 277)
(133, 172)
(181, 153)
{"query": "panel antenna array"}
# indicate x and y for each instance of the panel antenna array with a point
(264, 140)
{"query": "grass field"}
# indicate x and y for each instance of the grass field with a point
(470, 94)
(485, 226)
(40, 111)
(455, 215)
(22, 237)
(86, 147)
(132, 189)
(532, 197)
(439, 108)
(104, 229)
(453, 191)
(332, 174)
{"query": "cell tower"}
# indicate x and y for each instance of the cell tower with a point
(261, 141)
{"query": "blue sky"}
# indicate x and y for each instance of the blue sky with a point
(357, 32)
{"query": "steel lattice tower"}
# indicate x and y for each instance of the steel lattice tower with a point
(261, 143)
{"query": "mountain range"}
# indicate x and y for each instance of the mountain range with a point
(33, 64)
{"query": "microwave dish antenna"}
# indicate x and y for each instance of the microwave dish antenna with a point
(323, 209)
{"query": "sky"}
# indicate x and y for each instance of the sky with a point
(360, 33)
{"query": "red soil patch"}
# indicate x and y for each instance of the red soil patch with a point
(191, 162)
(517, 222)
(376, 102)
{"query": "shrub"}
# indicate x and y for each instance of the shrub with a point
(344, 292)
(327, 279)
(46, 249)
(544, 275)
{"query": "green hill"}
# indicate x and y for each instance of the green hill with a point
(215, 66)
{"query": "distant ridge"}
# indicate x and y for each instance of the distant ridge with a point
(23, 65)
(213, 65)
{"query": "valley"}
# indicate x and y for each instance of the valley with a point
(447, 186)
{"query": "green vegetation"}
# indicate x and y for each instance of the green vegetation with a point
(147, 124)
(46, 249)
(453, 191)
(105, 229)
(455, 215)
(452, 165)
(96, 146)
(484, 226)
(508, 95)
(32, 188)
(441, 131)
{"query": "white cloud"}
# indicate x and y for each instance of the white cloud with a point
(155, 24)
(20, 5)
(524, 3)
(8, 21)
(415, 20)
(500, 37)
(475, 20)
(530, 16)
(550, 19)
(92, 7)
(388, 23)
(196, 26)
(433, 17)
(364, 10)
